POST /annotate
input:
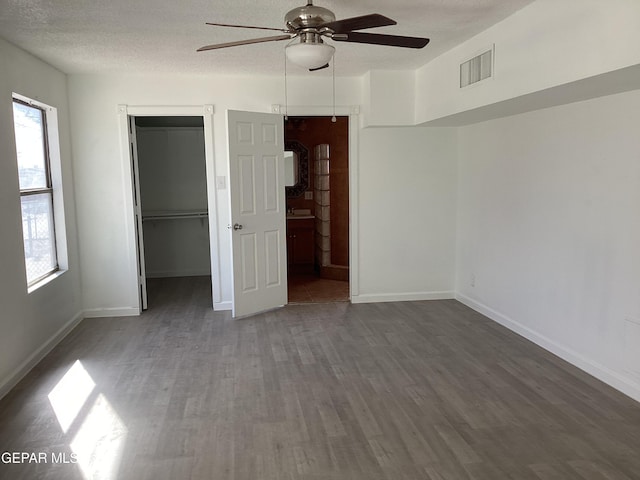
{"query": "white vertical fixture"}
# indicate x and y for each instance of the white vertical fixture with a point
(258, 211)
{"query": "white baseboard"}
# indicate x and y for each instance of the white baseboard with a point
(627, 385)
(26, 366)
(111, 312)
(401, 297)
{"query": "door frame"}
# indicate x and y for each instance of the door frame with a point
(353, 112)
(206, 112)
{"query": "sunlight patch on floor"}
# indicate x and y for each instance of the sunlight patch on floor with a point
(100, 441)
(70, 394)
(99, 435)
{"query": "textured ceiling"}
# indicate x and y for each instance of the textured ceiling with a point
(161, 36)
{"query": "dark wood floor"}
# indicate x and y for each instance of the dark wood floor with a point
(421, 390)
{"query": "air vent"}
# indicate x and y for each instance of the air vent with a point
(477, 69)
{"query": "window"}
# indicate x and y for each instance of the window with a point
(36, 188)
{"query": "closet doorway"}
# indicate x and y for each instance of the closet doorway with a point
(169, 169)
(317, 208)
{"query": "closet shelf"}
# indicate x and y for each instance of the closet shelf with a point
(173, 214)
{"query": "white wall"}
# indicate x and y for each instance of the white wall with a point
(94, 101)
(389, 98)
(549, 53)
(99, 181)
(30, 324)
(546, 44)
(99, 174)
(549, 227)
(407, 213)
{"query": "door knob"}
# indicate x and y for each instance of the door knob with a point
(237, 226)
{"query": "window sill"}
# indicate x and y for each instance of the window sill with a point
(45, 280)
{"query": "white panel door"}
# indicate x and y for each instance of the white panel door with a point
(258, 211)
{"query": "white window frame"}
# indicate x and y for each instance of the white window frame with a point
(54, 186)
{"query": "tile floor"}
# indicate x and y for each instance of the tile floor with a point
(309, 288)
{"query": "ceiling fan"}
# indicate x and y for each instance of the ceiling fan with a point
(311, 23)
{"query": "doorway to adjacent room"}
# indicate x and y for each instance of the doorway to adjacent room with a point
(317, 166)
(168, 156)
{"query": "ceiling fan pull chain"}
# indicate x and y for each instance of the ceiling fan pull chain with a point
(333, 119)
(286, 102)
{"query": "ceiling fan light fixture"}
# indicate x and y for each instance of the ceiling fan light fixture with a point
(310, 55)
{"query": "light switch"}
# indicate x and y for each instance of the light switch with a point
(221, 183)
(308, 195)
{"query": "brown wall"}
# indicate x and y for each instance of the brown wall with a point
(312, 131)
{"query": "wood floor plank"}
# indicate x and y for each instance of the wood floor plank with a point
(392, 391)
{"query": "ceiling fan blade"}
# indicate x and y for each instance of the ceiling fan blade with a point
(326, 65)
(380, 39)
(244, 42)
(359, 23)
(245, 26)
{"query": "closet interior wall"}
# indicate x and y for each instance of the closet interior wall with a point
(173, 191)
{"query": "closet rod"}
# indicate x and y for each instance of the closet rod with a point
(173, 215)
